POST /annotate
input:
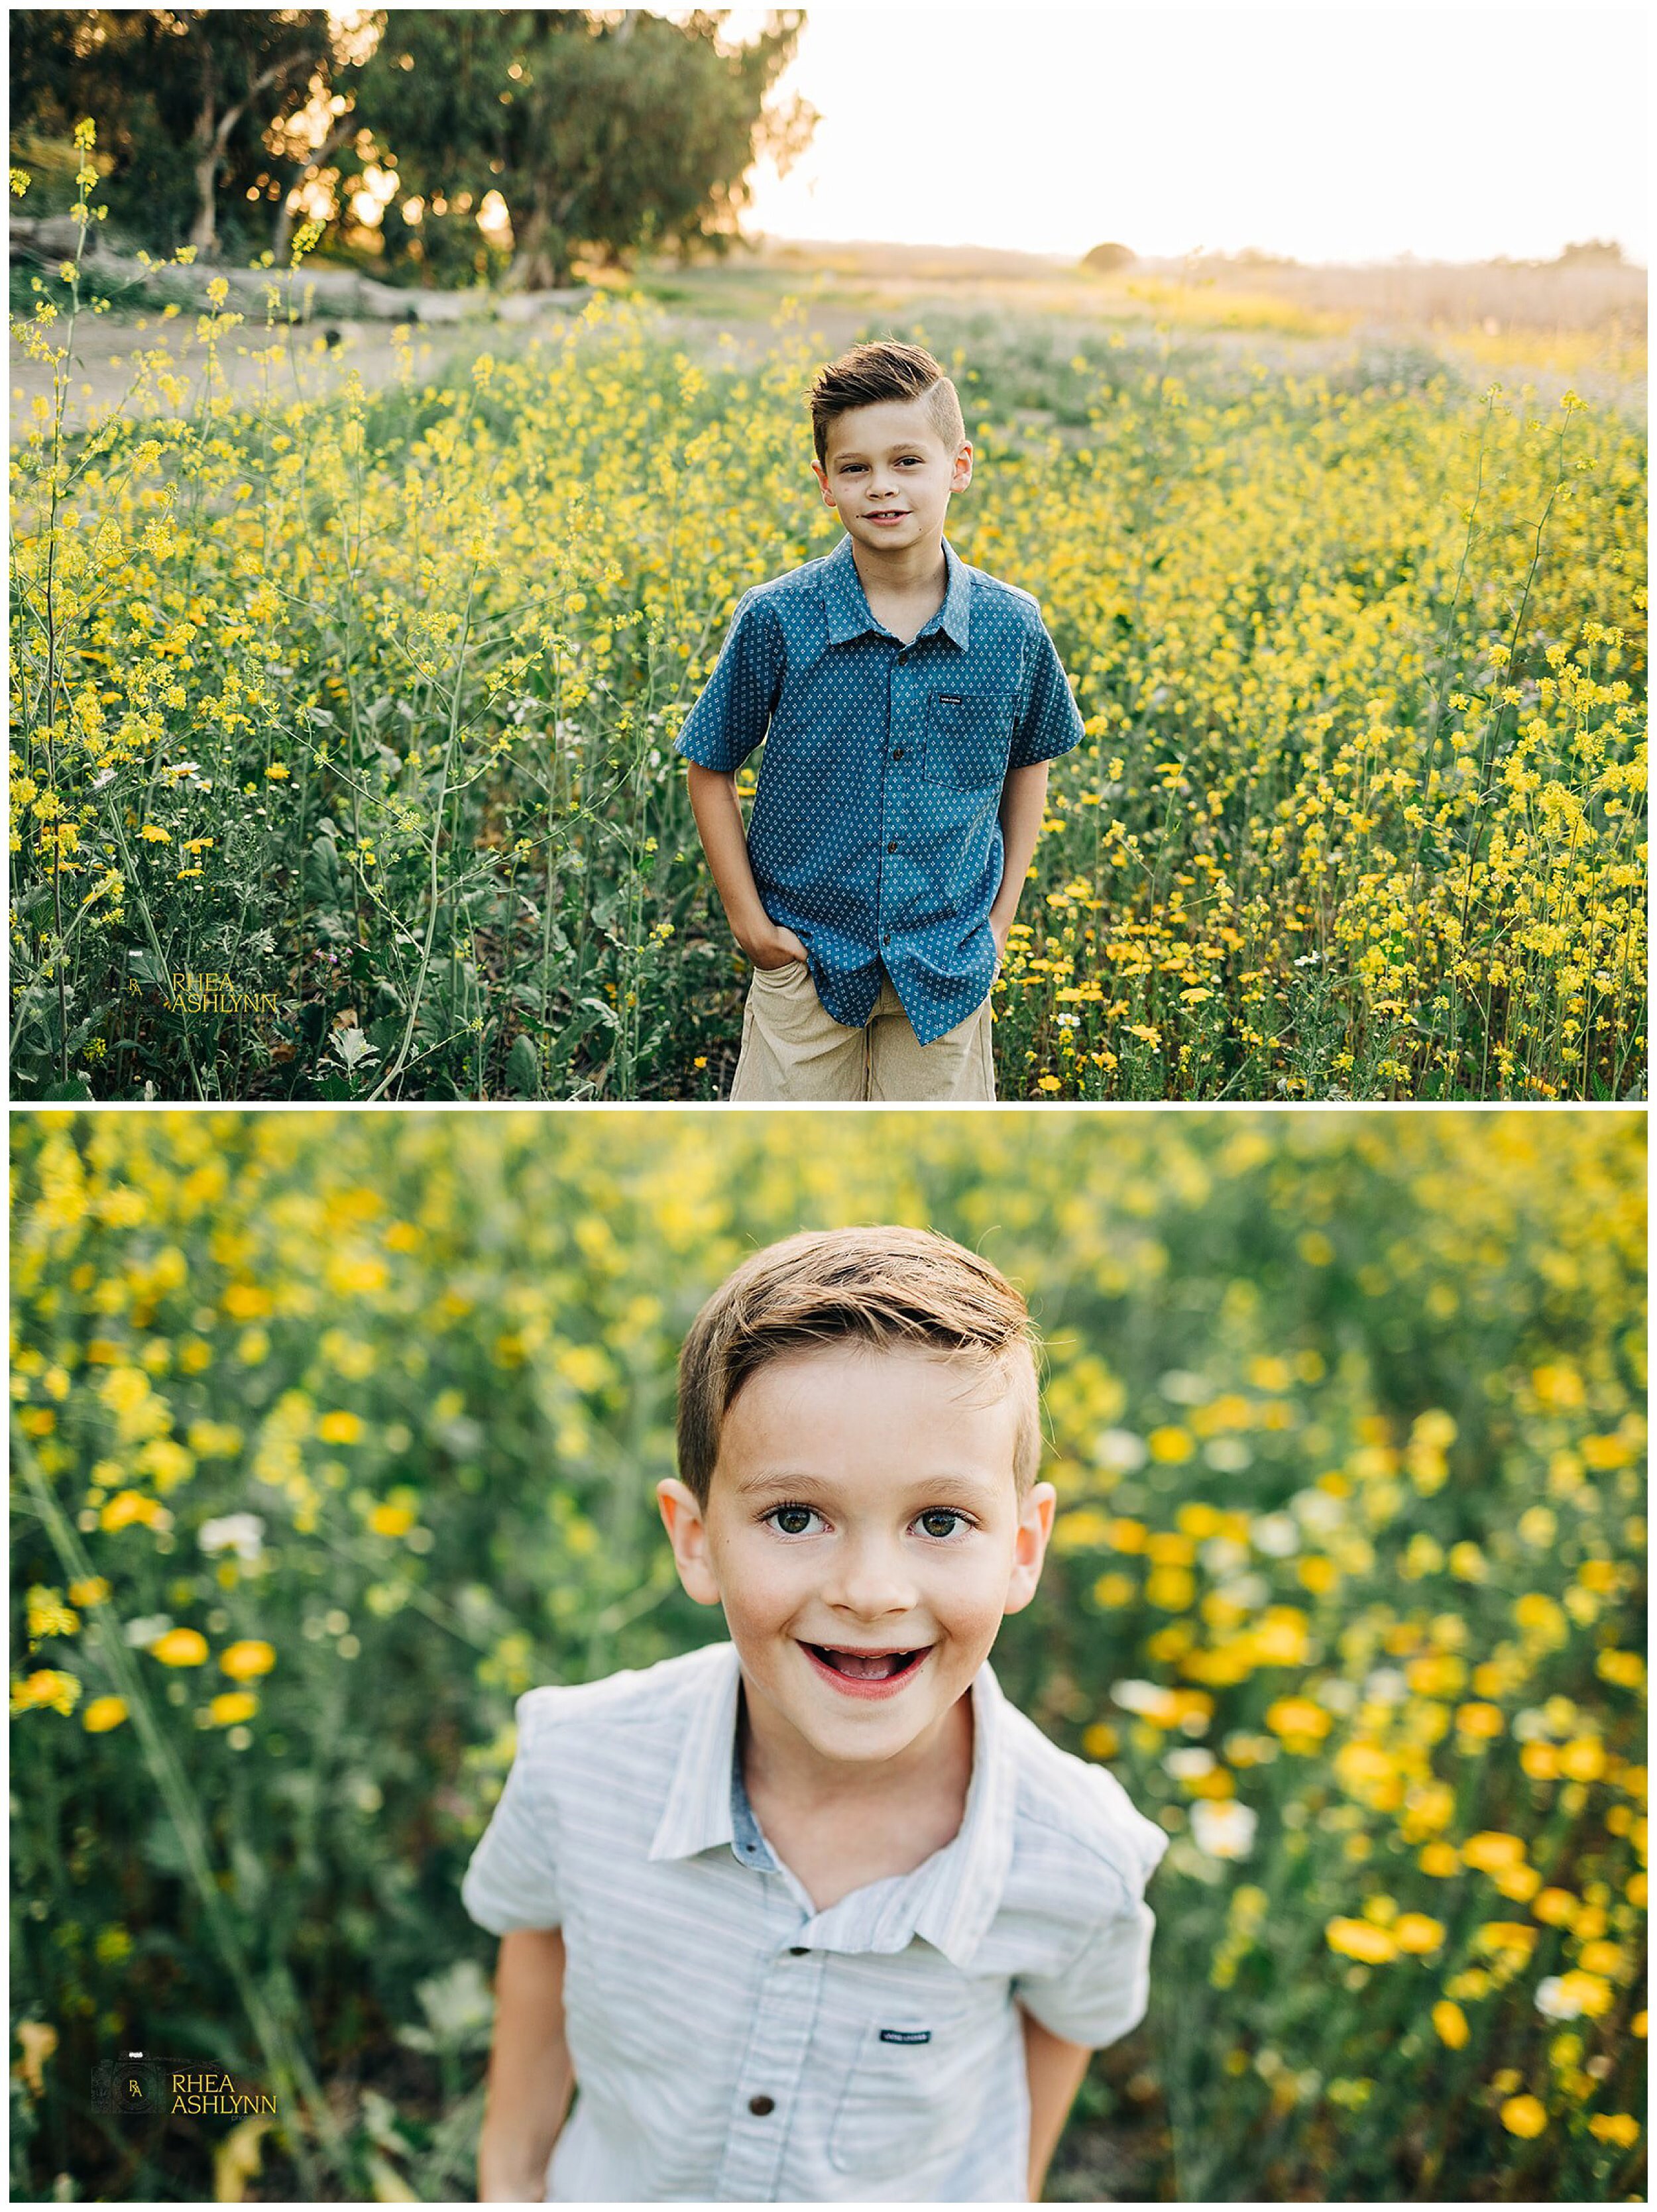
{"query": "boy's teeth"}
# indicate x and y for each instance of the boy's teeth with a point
(867, 1667)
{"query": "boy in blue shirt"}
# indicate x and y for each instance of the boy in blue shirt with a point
(909, 705)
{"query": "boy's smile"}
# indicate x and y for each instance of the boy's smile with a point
(864, 1535)
(866, 1673)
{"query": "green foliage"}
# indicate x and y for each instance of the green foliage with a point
(1345, 1412)
(167, 86)
(602, 135)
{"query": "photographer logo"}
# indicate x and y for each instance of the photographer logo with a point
(135, 2083)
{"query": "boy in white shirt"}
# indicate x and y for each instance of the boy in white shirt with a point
(814, 1915)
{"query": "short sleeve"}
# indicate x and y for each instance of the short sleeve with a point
(1051, 722)
(1104, 1991)
(732, 715)
(513, 1879)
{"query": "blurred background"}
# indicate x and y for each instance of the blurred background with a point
(333, 1433)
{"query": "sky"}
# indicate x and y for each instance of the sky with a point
(1328, 134)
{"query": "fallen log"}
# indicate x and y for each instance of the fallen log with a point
(336, 294)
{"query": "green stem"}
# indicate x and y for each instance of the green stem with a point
(401, 1060)
(298, 2094)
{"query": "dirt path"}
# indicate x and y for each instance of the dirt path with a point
(103, 363)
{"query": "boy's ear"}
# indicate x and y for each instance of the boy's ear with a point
(962, 474)
(821, 475)
(687, 1532)
(1030, 1548)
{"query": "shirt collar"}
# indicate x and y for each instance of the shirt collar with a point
(847, 608)
(697, 1813)
(949, 1901)
(961, 1886)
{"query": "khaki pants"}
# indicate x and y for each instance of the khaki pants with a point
(794, 1050)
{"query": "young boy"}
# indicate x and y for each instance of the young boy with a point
(909, 705)
(814, 1915)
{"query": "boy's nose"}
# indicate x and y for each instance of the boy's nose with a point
(870, 1585)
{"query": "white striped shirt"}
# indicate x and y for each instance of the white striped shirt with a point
(731, 2044)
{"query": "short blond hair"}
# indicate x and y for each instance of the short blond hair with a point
(878, 370)
(894, 1289)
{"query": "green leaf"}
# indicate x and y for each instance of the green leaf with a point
(147, 969)
(523, 1068)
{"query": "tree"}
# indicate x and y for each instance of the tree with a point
(603, 132)
(242, 56)
(120, 68)
(1105, 260)
(183, 97)
(1592, 253)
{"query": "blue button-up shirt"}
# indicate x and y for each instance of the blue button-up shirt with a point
(875, 835)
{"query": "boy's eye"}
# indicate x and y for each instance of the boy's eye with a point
(792, 1520)
(942, 1520)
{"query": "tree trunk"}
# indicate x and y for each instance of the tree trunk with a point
(540, 258)
(204, 231)
(210, 140)
(283, 230)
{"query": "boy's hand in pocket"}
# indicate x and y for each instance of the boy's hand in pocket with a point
(775, 949)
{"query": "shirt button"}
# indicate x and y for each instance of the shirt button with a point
(897, 752)
(798, 1950)
(887, 940)
(760, 2107)
(892, 845)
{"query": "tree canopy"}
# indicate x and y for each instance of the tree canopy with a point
(184, 100)
(1105, 260)
(602, 132)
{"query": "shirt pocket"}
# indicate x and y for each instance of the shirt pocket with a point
(969, 736)
(910, 2096)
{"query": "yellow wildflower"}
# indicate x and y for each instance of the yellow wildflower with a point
(1451, 2024)
(1524, 2116)
(1361, 1940)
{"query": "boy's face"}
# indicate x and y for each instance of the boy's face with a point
(864, 1535)
(889, 475)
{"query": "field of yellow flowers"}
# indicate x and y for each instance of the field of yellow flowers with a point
(332, 1433)
(343, 719)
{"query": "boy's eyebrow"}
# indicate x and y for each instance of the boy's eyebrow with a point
(787, 1478)
(897, 446)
